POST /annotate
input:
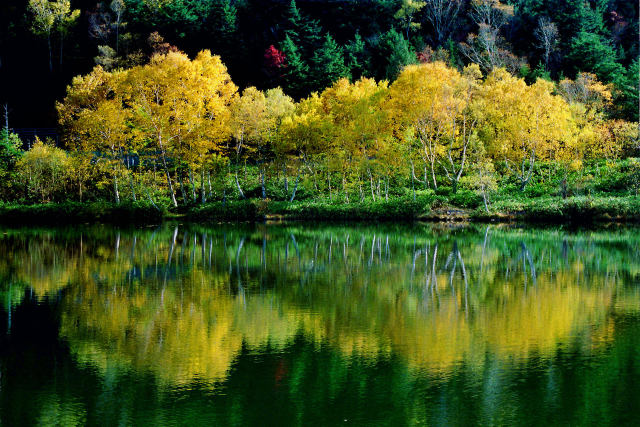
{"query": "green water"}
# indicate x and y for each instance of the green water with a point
(309, 324)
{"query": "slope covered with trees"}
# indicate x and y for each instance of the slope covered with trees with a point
(422, 99)
(306, 45)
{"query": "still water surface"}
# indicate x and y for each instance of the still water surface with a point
(319, 325)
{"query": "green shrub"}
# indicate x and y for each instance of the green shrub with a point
(467, 199)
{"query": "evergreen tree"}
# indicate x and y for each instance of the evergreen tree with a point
(303, 31)
(328, 64)
(357, 58)
(294, 23)
(394, 53)
(627, 91)
(297, 70)
(224, 26)
(590, 52)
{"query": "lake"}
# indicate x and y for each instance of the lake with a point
(310, 324)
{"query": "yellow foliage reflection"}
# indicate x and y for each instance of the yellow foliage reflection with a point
(183, 304)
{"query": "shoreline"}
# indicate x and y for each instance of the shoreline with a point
(544, 211)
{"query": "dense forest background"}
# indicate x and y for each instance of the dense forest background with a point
(304, 46)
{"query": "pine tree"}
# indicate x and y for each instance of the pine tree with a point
(394, 53)
(297, 70)
(328, 64)
(357, 58)
(294, 23)
(591, 52)
(303, 32)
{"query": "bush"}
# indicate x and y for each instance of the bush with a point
(467, 199)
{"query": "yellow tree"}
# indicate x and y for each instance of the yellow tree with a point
(406, 14)
(522, 124)
(356, 128)
(255, 120)
(278, 105)
(301, 138)
(181, 107)
(49, 16)
(436, 101)
(461, 114)
(95, 120)
(43, 170)
(248, 111)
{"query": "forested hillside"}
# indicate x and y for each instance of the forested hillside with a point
(322, 109)
(305, 46)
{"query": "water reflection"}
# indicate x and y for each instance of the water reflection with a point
(186, 304)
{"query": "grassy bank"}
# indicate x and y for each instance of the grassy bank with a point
(75, 212)
(401, 209)
(460, 207)
(578, 209)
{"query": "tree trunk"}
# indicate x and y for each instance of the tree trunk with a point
(151, 200)
(386, 189)
(203, 198)
(295, 188)
(171, 191)
(50, 53)
(484, 198)
(264, 191)
(115, 188)
(193, 186)
(238, 185)
(413, 185)
(373, 194)
(133, 190)
(184, 194)
(433, 175)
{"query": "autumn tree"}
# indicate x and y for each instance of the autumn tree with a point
(181, 107)
(94, 119)
(442, 15)
(43, 170)
(437, 102)
(300, 139)
(407, 13)
(173, 106)
(256, 117)
(523, 124)
(49, 16)
(357, 132)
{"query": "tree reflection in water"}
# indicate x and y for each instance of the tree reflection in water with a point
(183, 303)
